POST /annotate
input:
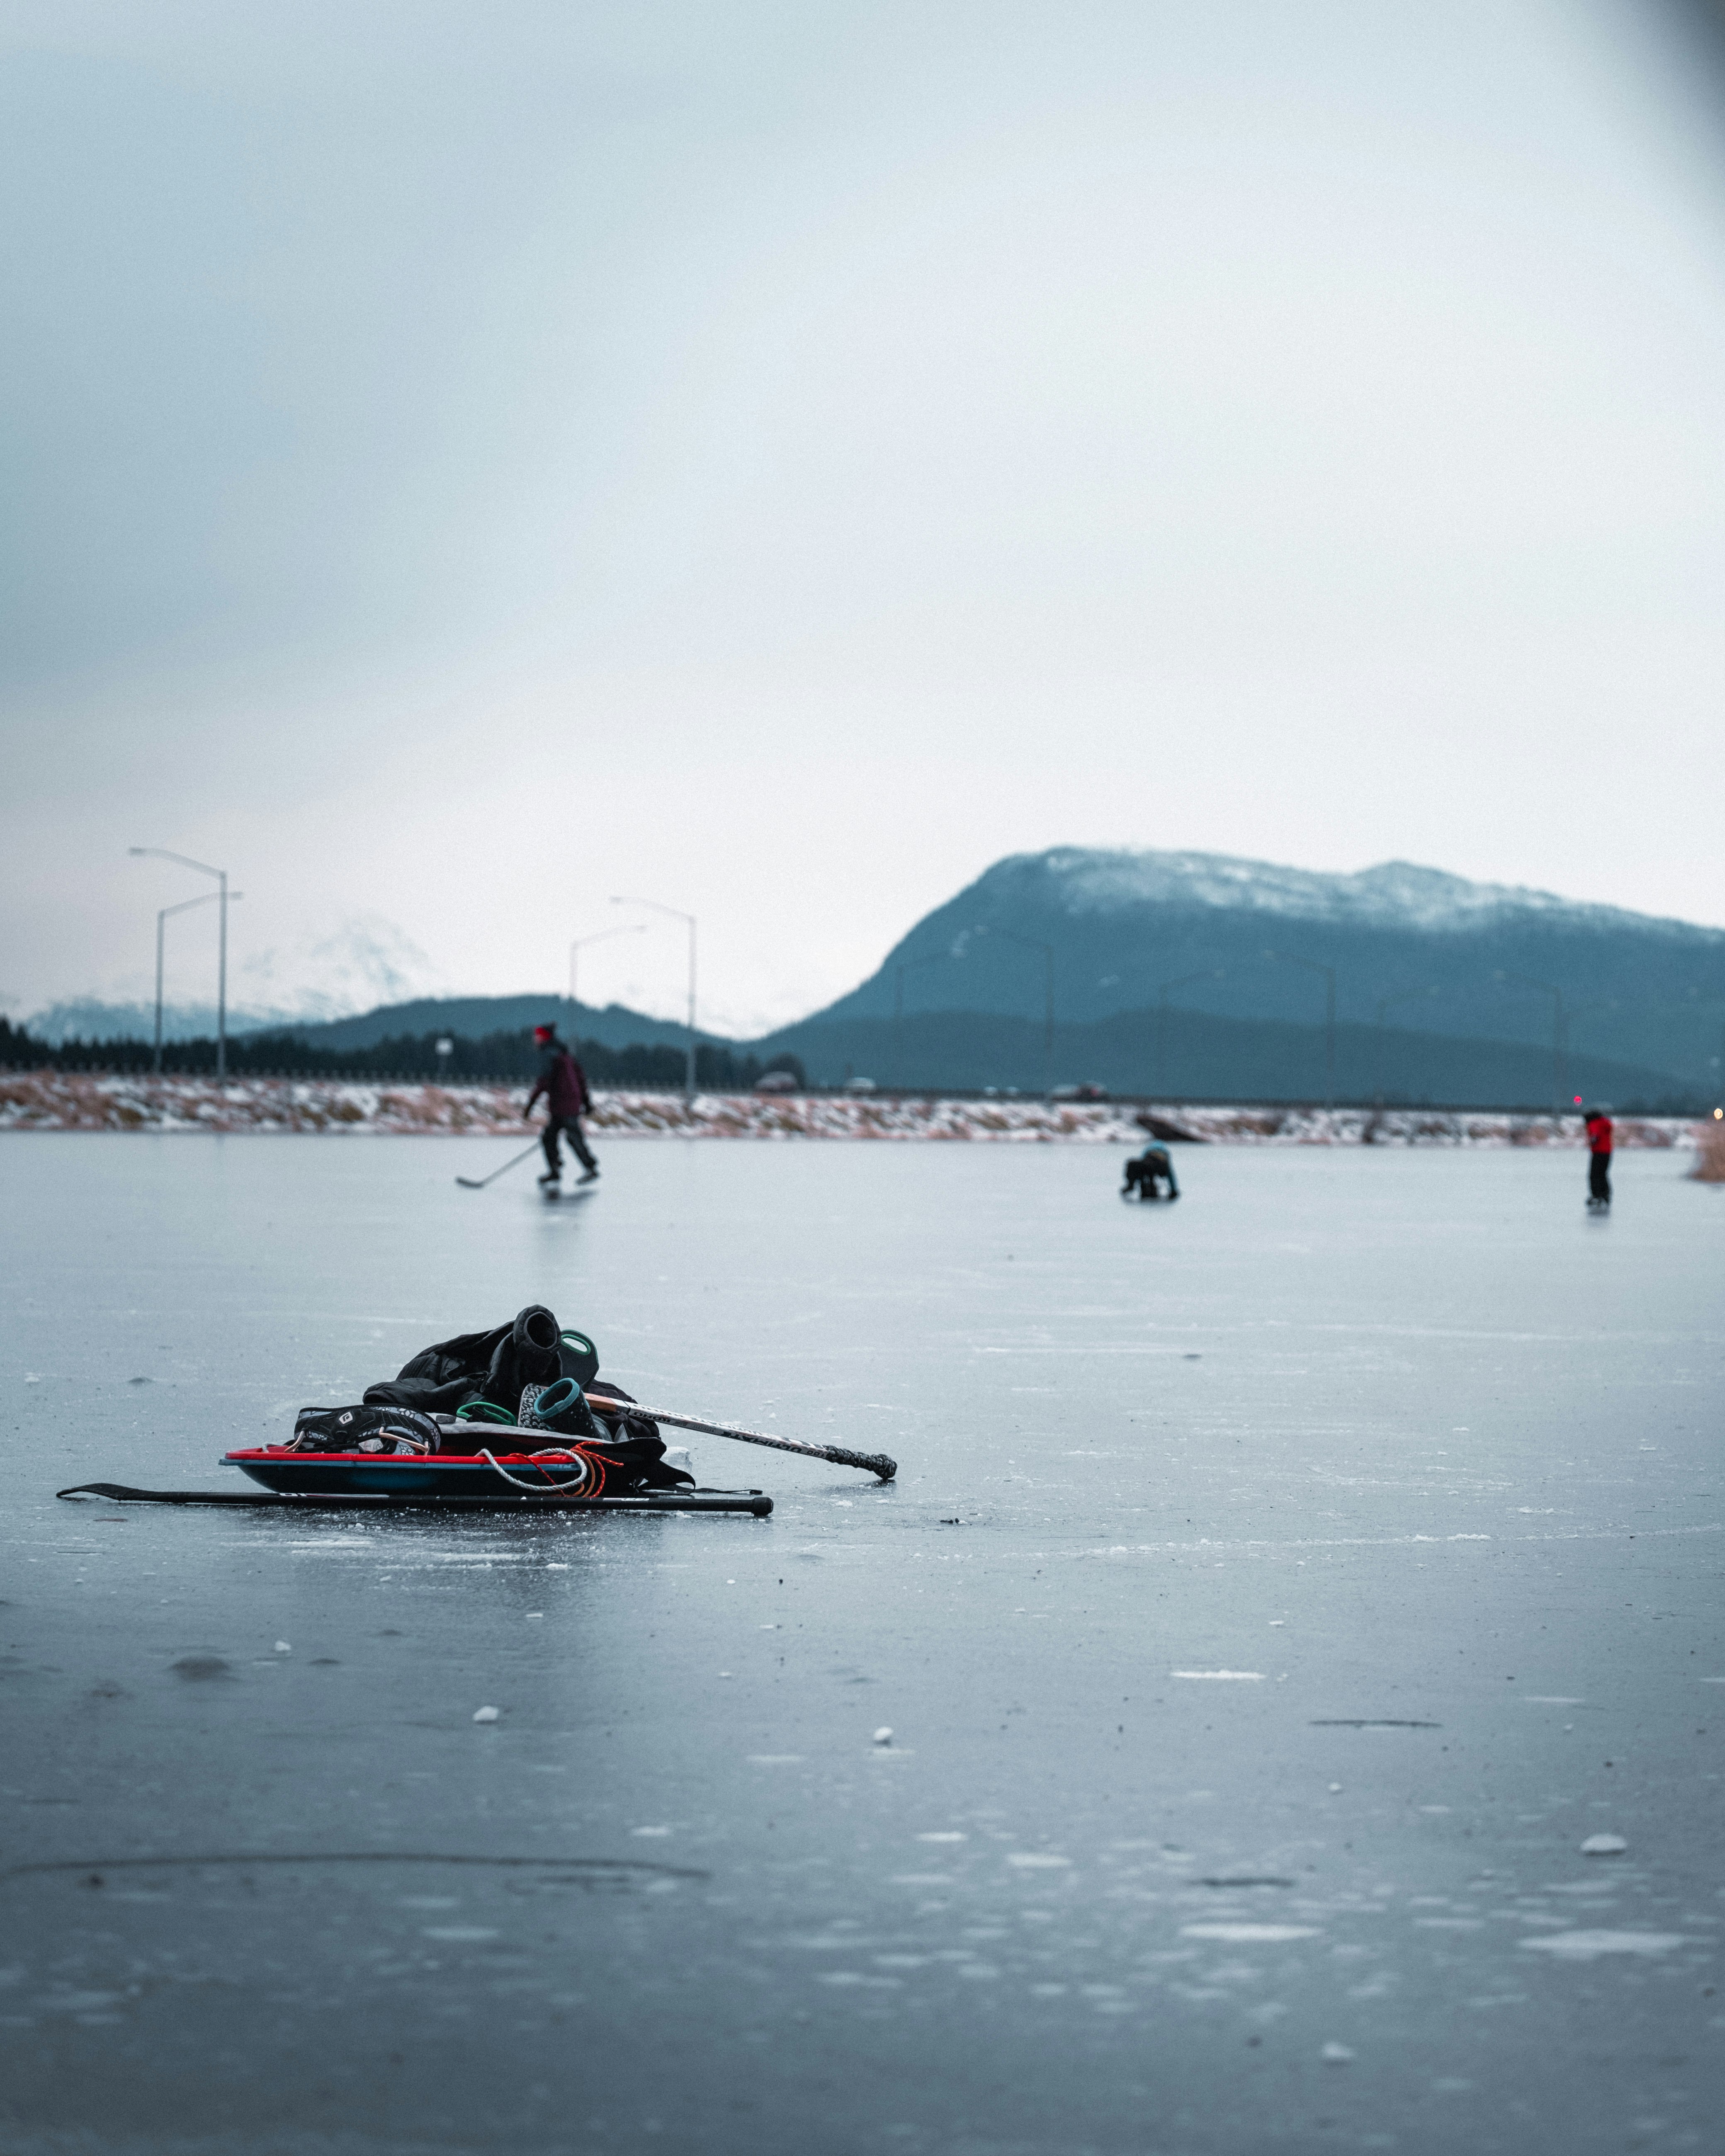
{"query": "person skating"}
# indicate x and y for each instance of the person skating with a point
(563, 1083)
(1152, 1167)
(1599, 1164)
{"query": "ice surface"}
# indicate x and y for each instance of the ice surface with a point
(1415, 1436)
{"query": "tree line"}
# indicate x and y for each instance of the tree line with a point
(510, 1057)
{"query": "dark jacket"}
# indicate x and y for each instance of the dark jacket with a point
(562, 1082)
(495, 1366)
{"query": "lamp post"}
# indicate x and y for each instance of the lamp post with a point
(1204, 973)
(203, 868)
(1559, 1089)
(580, 943)
(1313, 966)
(1035, 943)
(677, 914)
(185, 906)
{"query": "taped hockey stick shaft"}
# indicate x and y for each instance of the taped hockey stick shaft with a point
(876, 1463)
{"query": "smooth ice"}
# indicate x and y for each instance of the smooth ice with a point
(1196, 1749)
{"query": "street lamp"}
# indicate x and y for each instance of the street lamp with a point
(1559, 1089)
(203, 868)
(1035, 943)
(1205, 973)
(1313, 966)
(632, 928)
(185, 906)
(677, 914)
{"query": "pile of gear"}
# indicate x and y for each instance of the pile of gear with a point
(530, 1379)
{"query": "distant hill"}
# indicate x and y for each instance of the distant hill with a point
(1427, 952)
(475, 1016)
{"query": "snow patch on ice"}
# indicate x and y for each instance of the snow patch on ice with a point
(1249, 1934)
(1588, 1946)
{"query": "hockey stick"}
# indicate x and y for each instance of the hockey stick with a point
(468, 1184)
(876, 1463)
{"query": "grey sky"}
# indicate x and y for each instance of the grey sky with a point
(459, 462)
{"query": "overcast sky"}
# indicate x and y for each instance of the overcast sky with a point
(460, 462)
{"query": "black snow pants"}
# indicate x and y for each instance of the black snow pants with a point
(1598, 1177)
(570, 1126)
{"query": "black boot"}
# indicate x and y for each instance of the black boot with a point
(561, 1407)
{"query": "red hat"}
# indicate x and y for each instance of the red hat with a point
(542, 1032)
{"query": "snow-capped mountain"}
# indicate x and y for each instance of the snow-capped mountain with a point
(1103, 933)
(1395, 893)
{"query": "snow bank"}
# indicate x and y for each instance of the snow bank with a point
(50, 1100)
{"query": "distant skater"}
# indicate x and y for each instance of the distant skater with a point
(1598, 1162)
(563, 1083)
(1152, 1167)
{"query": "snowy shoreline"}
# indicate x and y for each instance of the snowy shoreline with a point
(50, 1100)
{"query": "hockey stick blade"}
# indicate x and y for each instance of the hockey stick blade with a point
(467, 1182)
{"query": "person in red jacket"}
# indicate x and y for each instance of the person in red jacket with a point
(563, 1083)
(1598, 1165)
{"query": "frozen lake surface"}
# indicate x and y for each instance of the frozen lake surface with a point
(1279, 1588)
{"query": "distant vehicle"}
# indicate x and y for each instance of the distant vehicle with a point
(776, 1081)
(1087, 1091)
(859, 1085)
